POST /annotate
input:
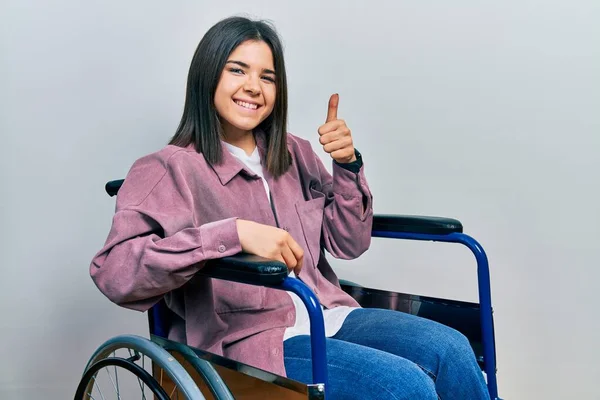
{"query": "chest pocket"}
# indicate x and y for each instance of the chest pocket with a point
(310, 214)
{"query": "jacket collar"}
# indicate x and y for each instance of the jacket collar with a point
(230, 166)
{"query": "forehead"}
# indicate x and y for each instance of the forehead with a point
(257, 54)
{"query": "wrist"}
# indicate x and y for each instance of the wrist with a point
(355, 165)
(346, 160)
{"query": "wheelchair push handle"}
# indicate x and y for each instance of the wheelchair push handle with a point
(112, 187)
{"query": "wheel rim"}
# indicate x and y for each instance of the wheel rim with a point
(89, 382)
(148, 356)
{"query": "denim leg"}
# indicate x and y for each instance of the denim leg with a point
(359, 372)
(442, 352)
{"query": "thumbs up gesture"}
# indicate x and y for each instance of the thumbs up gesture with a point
(336, 137)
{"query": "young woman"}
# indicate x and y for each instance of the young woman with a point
(232, 179)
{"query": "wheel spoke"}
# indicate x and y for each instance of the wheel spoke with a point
(144, 368)
(98, 386)
(113, 383)
(117, 381)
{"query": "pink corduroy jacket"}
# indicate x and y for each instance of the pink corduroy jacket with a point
(175, 211)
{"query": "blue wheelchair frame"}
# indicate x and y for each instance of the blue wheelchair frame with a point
(254, 270)
(317, 327)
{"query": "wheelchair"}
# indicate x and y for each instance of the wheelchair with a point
(161, 368)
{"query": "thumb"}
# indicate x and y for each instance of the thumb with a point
(334, 100)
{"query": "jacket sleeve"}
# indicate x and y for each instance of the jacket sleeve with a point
(348, 212)
(154, 245)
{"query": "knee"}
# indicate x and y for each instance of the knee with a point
(457, 347)
(458, 371)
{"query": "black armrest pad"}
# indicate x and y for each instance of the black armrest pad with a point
(246, 268)
(416, 224)
(113, 187)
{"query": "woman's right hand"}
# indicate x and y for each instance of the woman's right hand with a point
(270, 242)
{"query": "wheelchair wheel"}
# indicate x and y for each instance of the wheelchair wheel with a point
(92, 381)
(130, 366)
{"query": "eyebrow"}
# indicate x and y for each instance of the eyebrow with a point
(243, 64)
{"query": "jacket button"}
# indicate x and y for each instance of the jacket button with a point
(222, 249)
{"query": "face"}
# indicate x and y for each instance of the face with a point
(245, 94)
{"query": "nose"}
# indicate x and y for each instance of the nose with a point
(252, 85)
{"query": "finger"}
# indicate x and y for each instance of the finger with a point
(335, 135)
(338, 145)
(280, 259)
(288, 256)
(333, 108)
(298, 253)
(331, 126)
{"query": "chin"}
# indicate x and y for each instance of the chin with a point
(246, 125)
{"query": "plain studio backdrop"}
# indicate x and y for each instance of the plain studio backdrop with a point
(483, 111)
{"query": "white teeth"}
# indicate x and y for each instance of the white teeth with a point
(246, 105)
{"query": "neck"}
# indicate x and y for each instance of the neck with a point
(239, 138)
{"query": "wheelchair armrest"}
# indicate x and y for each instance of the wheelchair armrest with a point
(246, 268)
(416, 224)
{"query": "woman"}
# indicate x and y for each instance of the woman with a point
(232, 179)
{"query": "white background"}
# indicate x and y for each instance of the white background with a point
(483, 111)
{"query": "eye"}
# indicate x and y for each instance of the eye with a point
(269, 78)
(236, 70)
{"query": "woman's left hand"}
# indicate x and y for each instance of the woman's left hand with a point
(336, 137)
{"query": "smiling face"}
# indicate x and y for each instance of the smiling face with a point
(245, 94)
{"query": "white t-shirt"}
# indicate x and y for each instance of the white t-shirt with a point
(334, 318)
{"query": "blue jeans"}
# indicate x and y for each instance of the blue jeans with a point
(385, 354)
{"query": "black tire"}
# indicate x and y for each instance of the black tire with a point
(132, 367)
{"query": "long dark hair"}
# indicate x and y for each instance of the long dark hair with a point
(200, 123)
